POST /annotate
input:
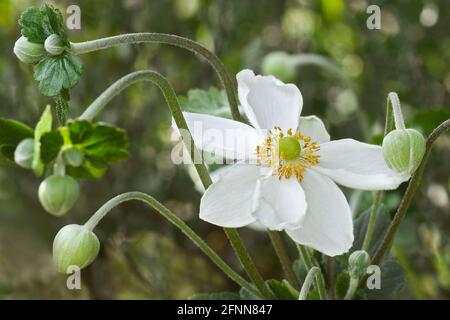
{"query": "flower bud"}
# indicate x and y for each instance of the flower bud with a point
(23, 155)
(28, 52)
(74, 245)
(358, 262)
(279, 64)
(403, 150)
(73, 157)
(54, 45)
(58, 194)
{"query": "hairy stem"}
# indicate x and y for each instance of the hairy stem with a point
(397, 110)
(408, 196)
(309, 264)
(198, 49)
(352, 287)
(314, 273)
(283, 256)
(177, 222)
(169, 94)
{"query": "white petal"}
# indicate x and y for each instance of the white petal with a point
(357, 165)
(268, 102)
(328, 225)
(312, 126)
(281, 203)
(229, 201)
(223, 137)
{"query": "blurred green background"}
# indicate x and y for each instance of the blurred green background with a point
(142, 256)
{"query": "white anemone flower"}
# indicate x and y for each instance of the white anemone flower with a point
(285, 174)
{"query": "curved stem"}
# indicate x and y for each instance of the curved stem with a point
(309, 264)
(169, 215)
(352, 287)
(397, 110)
(169, 94)
(372, 220)
(313, 273)
(409, 194)
(132, 38)
(283, 256)
(171, 98)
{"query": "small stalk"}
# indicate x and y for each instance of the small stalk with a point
(352, 287)
(372, 220)
(397, 110)
(314, 273)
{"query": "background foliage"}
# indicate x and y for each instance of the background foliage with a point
(142, 256)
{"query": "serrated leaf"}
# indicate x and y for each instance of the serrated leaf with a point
(44, 125)
(90, 169)
(38, 23)
(216, 296)
(212, 101)
(11, 134)
(282, 290)
(58, 73)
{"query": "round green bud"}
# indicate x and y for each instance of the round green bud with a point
(74, 246)
(28, 52)
(72, 156)
(358, 262)
(289, 148)
(58, 194)
(23, 155)
(54, 45)
(279, 64)
(403, 150)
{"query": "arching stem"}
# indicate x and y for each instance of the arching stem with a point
(198, 49)
(177, 222)
(313, 274)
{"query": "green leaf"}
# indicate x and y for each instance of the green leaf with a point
(57, 73)
(212, 101)
(39, 23)
(282, 290)
(11, 134)
(392, 280)
(360, 228)
(100, 143)
(430, 119)
(341, 285)
(51, 144)
(44, 125)
(216, 296)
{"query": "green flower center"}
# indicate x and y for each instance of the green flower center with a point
(289, 148)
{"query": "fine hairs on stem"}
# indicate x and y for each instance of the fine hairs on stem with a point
(172, 102)
(177, 222)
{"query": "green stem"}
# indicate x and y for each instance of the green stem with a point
(283, 256)
(330, 276)
(372, 220)
(397, 110)
(314, 273)
(408, 196)
(352, 287)
(309, 264)
(198, 49)
(116, 88)
(177, 222)
(247, 262)
(169, 94)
